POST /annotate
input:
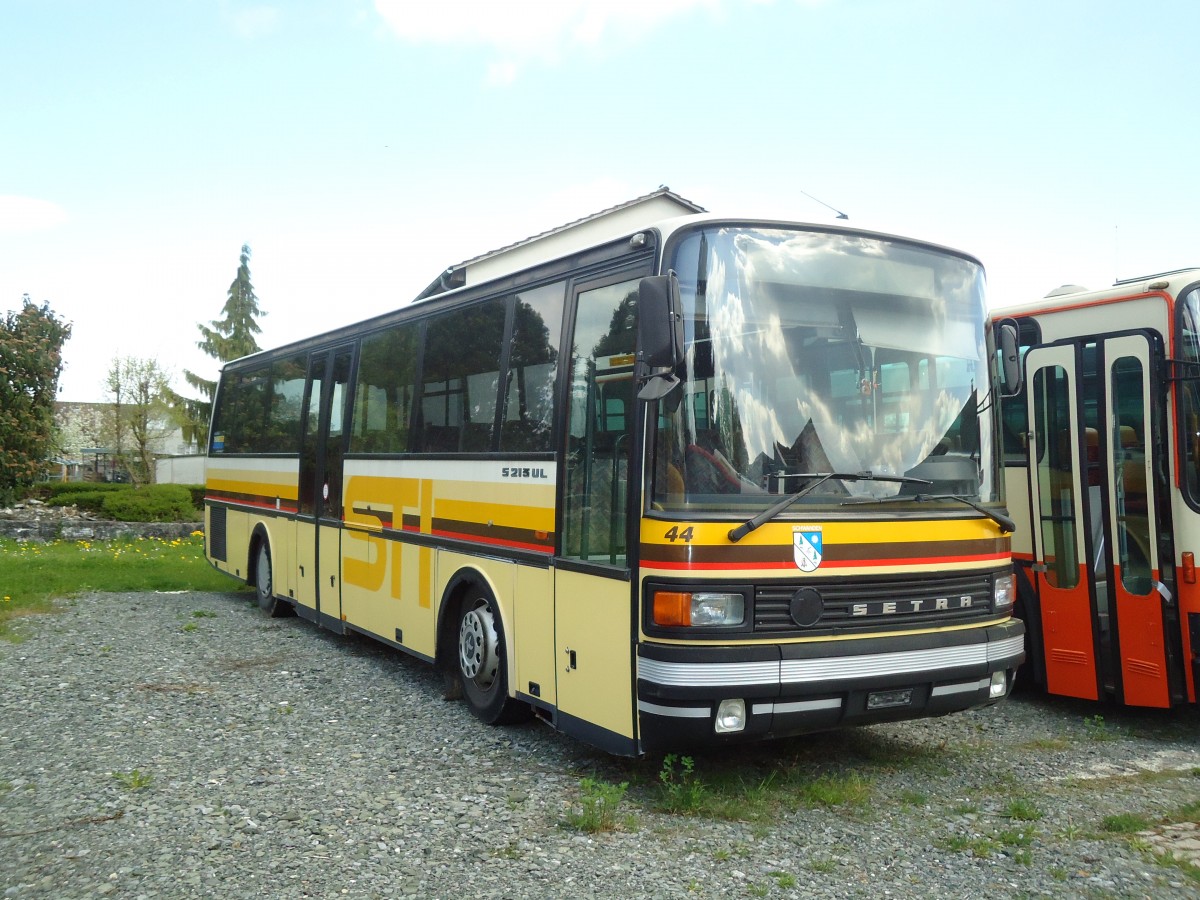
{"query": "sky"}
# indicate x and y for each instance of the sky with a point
(359, 147)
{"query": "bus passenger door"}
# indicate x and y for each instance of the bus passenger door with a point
(318, 525)
(593, 595)
(1137, 599)
(1067, 615)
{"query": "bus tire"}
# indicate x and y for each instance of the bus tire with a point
(264, 579)
(482, 661)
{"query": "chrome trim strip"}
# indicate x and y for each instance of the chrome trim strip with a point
(708, 674)
(844, 668)
(943, 690)
(1009, 647)
(833, 668)
(797, 706)
(679, 712)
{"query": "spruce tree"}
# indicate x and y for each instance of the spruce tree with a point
(229, 337)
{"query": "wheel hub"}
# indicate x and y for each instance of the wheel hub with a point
(477, 641)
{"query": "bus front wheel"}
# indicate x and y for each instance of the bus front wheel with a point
(482, 663)
(264, 580)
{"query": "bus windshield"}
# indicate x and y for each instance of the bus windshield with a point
(810, 353)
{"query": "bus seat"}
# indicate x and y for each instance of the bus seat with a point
(709, 474)
(1066, 437)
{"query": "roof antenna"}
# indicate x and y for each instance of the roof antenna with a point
(840, 214)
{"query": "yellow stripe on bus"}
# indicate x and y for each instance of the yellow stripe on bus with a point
(530, 518)
(284, 489)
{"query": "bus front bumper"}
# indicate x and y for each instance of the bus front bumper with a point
(694, 696)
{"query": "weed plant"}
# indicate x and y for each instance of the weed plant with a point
(598, 805)
(682, 790)
(134, 780)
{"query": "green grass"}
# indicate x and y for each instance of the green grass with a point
(1125, 823)
(35, 575)
(1022, 809)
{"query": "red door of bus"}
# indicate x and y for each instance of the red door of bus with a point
(1101, 602)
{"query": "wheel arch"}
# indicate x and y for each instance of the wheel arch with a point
(457, 587)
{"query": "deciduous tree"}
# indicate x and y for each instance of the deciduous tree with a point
(31, 343)
(140, 415)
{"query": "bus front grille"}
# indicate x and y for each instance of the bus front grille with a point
(854, 604)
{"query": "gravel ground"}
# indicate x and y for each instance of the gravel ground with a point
(185, 746)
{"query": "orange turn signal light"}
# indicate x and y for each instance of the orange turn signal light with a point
(672, 608)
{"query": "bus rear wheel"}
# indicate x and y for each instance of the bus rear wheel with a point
(482, 662)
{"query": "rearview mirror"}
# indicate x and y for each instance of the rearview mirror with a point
(1010, 357)
(660, 322)
(660, 334)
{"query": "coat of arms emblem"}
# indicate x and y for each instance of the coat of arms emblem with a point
(807, 546)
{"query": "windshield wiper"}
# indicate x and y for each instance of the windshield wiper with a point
(1005, 523)
(736, 534)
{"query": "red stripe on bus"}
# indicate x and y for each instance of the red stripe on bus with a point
(492, 542)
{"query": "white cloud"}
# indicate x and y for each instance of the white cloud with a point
(21, 214)
(541, 30)
(249, 22)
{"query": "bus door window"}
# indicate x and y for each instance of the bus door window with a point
(1056, 476)
(312, 428)
(331, 489)
(322, 447)
(1132, 538)
(600, 423)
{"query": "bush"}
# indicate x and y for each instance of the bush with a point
(150, 503)
(65, 491)
(92, 501)
(197, 492)
(185, 503)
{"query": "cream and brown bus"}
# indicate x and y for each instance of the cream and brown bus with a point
(659, 478)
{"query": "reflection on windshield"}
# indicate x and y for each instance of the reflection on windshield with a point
(814, 353)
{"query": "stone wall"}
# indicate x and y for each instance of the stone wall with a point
(46, 529)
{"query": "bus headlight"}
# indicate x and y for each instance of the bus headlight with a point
(731, 717)
(699, 609)
(999, 685)
(1004, 593)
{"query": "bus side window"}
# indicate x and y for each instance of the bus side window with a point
(1188, 311)
(461, 379)
(286, 406)
(1014, 410)
(528, 422)
(384, 396)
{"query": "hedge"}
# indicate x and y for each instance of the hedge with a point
(150, 503)
(126, 503)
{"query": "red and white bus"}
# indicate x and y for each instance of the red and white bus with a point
(1102, 464)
